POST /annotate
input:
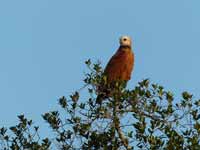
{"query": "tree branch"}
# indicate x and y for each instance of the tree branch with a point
(116, 122)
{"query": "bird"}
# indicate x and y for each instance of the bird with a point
(119, 67)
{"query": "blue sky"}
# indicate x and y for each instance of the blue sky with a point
(44, 43)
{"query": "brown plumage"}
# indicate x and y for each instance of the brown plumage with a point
(120, 66)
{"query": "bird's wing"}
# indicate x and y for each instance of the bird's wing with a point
(114, 62)
(117, 67)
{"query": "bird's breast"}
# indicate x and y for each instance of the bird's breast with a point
(120, 66)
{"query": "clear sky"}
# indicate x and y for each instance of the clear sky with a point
(44, 43)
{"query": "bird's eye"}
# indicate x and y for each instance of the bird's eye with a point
(125, 39)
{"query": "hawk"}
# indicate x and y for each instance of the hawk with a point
(120, 66)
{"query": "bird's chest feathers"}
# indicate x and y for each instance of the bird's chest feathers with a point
(120, 65)
(123, 66)
(124, 57)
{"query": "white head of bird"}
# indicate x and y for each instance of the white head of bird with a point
(125, 41)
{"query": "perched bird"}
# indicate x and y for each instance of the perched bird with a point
(120, 66)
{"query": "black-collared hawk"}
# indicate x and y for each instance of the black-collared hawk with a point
(119, 67)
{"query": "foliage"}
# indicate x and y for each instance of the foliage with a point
(24, 137)
(145, 117)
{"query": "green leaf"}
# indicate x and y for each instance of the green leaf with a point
(186, 95)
